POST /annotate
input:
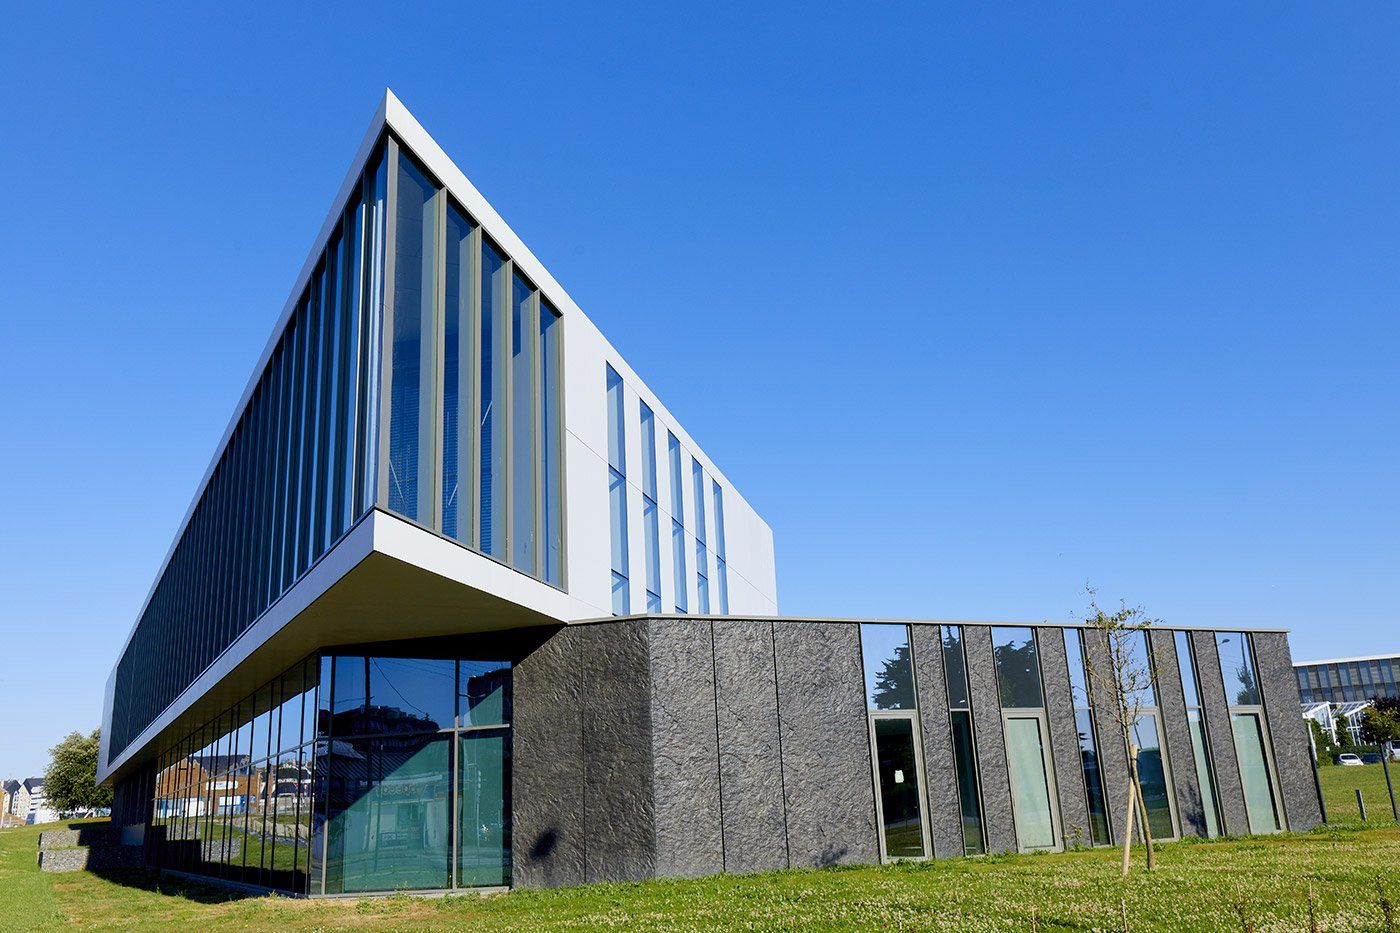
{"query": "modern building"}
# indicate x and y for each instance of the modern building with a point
(1348, 680)
(460, 604)
(28, 803)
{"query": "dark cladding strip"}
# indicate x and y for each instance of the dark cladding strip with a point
(1190, 806)
(1064, 736)
(945, 812)
(991, 748)
(1222, 735)
(1292, 754)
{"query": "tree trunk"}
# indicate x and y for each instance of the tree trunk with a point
(1128, 833)
(1142, 808)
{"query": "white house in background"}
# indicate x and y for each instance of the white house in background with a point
(31, 804)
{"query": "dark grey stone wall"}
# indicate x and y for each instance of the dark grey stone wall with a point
(1221, 733)
(1171, 700)
(547, 769)
(1113, 755)
(685, 746)
(750, 752)
(828, 783)
(997, 817)
(1292, 750)
(1064, 737)
(944, 809)
(618, 796)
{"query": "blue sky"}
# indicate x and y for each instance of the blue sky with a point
(974, 306)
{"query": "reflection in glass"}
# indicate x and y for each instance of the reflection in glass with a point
(617, 494)
(388, 813)
(414, 290)
(492, 398)
(456, 379)
(1030, 788)
(523, 329)
(551, 490)
(955, 667)
(1203, 772)
(411, 694)
(889, 671)
(969, 800)
(1152, 775)
(899, 787)
(483, 808)
(1260, 805)
(1093, 778)
(1018, 672)
(1237, 667)
(484, 693)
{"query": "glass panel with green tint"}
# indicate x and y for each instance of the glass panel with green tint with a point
(899, 787)
(1254, 772)
(483, 808)
(1030, 787)
(1152, 774)
(388, 810)
(483, 689)
(1203, 775)
(965, 760)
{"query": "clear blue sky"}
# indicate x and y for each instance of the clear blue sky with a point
(974, 306)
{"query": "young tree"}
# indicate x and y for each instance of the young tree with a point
(70, 783)
(1120, 678)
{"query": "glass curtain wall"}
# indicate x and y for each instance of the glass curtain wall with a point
(1099, 833)
(617, 494)
(296, 473)
(682, 583)
(651, 512)
(702, 554)
(1154, 773)
(891, 701)
(471, 383)
(1200, 744)
(417, 758)
(1027, 738)
(964, 742)
(721, 570)
(1250, 730)
(233, 798)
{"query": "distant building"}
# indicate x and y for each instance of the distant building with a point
(8, 790)
(30, 804)
(1348, 680)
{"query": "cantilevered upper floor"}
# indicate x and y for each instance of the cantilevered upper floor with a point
(435, 440)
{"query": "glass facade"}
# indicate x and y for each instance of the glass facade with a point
(298, 470)
(1099, 834)
(964, 742)
(682, 584)
(1200, 744)
(1251, 732)
(651, 512)
(1351, 681)
(1027, 733)
(894, 738)
(617, 494)
(721, 571)
(702, 554)
(341, 776)
(418, 371)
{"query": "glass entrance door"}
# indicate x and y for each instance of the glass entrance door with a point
(900, 801)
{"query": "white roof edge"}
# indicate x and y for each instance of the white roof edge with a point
(996, 623)
(1393, 656)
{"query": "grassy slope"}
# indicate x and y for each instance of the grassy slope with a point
(1196, 887)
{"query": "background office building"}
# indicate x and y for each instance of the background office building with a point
(1349, 680)
(460, 604)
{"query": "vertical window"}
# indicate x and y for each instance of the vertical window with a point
(551, 450)
(492, 427)
(1088, 742)
(721, 571)
(617, 494)
(523, 330)
(457, 351)
(892, 705)
(1200, 747)
(702, 556)
(1250, 731)
(651, 520)
(1026, 728)
(411, 388)
(1153, 772)
(964, 744)
(682, 584)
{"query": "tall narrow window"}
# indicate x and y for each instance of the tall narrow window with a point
(1027, 743)
(651, 519)
(493, 394)
(1088, 743)
(682, 584)
(411, 384)
(721, 571)
(1250, 731)
(964, 743)
(1154, 773)
(457, 351)
(617, 494)
(1200, 747)
(702, 554)
(892, 704)
(551, 439)
(523, 331)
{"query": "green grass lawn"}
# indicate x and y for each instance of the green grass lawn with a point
(1339, 785)
(1197, 886)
